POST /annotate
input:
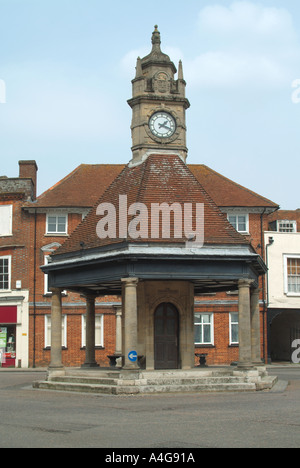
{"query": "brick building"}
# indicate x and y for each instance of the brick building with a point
(282, 242)
(16, 246)
(46, 222)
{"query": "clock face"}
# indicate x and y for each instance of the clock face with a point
(162, 124)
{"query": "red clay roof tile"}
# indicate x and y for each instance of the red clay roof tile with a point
(159, 179)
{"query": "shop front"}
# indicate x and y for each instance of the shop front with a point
(8, 323)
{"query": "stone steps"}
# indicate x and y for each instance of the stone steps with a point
(116, 383)
(135, 389)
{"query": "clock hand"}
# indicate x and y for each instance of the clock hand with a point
(164, 125)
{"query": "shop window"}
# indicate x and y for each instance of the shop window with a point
(7, 345)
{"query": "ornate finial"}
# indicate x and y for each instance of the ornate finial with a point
(138, 68)
(156, 36)
(180, 71)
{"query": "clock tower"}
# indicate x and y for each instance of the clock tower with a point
(158, 105)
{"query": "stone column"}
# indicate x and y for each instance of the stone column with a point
(118, 350)
(90, 333)
(130, 329)
(245, 357)
(56, 330)
(255, 328)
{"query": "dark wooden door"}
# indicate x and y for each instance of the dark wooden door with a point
(166, 336)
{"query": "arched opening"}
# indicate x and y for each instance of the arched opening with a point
(166, 336)
(285, 328)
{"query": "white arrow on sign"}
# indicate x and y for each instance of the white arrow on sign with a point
(132, 355)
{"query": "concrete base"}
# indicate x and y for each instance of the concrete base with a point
(90, 365)
(192, 381)
(53, 372)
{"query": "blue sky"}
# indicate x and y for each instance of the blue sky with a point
(67, 67)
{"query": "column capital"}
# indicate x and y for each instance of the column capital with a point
(90, 297)
(118, 310)
(245, 283)
(256, 291)
(130, 281)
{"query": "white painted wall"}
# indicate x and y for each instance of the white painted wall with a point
(284, 245)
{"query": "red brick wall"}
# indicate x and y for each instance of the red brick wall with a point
(16, 245)
(73, 355)
(222, 352)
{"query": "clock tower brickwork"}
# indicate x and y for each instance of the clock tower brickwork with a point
(155, 90)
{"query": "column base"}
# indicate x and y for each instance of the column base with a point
(259, 363)
(90, 365)
(55, 371)
(130, 373)
(245, 365)
(130, 367)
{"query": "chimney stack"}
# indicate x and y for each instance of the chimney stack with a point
(28, 170)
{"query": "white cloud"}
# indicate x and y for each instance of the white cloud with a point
(246, 44)
(225, 69)
(247, 18)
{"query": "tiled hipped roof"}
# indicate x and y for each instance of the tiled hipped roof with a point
(84, 186)
(225, 192)
(290, 215)
(159, 179)
(81, 188)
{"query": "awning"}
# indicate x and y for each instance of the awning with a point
(8, 314)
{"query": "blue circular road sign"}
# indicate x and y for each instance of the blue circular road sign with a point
(132, 356)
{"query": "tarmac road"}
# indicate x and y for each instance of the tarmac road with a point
(43, 419)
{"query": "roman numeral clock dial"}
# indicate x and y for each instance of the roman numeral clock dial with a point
(162, 125)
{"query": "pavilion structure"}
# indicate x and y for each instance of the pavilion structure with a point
(157, 238)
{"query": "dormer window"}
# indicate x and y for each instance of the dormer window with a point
(240, 222)
(57, 224)
(286, 226)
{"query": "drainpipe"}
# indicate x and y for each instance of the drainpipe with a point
(271, 241)
(262, 243)
(34, 289)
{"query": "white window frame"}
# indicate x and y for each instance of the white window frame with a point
(47, 292)
(46, 286)
(6, 214)
(99, 330)
(233, 322)
(292, 225)
(236, 215)
(47, 331)
(7, 257)
(56, 215)
(202, 325)
(286, 257)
